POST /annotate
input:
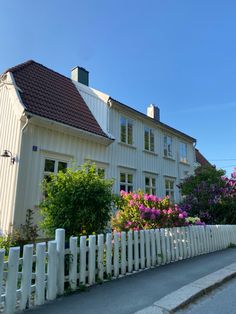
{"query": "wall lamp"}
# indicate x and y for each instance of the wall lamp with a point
(7, 153)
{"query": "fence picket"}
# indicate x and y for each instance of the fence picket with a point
(142, 249)
(116, 254)
(136, 250)
(52, 271)
(100, 264)
(40, 273)
(91, 259)
(163, 245)
(82, 260)
(158, 246)
(73, 263)
(26, 275)
(130, 251)
(11, 284)
(2, 254)
(108, 254)
(153, 247)
(123, 253)
(147, 248)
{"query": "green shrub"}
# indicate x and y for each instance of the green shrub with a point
(78, 201)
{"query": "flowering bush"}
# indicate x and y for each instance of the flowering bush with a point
(138, 211)
(210, 195)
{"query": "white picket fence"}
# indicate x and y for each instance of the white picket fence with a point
(44, 271)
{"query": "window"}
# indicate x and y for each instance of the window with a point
(126, 182)
(101, 172)
(183, 152)
(150, 185)
(126, 131)
(148, 139)
(168, 146)
(53, 166)
(169, 186)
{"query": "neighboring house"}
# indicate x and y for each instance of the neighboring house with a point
(48, 121)
(201, 160)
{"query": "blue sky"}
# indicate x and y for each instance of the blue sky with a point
(180, 55)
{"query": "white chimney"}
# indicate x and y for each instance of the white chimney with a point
(153, 112)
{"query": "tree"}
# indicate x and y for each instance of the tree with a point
(78, 201)
(210, 195)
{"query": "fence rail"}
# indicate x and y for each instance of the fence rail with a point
(45, 271)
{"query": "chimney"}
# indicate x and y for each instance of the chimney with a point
(80, 75)
(153, 112)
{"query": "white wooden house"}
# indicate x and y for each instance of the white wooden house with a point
(48, 121)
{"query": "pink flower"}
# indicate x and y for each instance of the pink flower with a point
(170, 211)
(131, 203)
(181, 216)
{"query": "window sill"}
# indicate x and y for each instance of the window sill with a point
(169, 158)
(184, 163)
(127, 145)
(150, 152)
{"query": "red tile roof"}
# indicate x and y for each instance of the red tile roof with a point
(53, 96)
(201, 159)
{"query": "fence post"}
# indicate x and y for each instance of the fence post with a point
(2, 254)
(91, 259)
(40, 274)
(100, 256)
(147, 247)
(26, 275)
(130, 251)
(52, 270)
(60, 239)
(163, 245)
(116, 254)
(73, 262)
(11, 285)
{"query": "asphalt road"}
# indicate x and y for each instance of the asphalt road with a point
(132, 293)
(220, 301)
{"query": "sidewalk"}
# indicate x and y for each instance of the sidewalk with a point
(133, 293)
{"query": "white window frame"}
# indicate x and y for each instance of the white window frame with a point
(151, 187)
(168, 146)
(127, 123)
(183, 152)
(150, 139)
(170, 191)
(128, 186)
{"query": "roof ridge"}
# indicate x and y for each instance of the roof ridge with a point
(29, 62)
(19, 66)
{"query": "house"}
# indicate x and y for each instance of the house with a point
(49, 121)
(201, 160)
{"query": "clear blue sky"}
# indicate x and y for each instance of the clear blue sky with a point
(180, 55)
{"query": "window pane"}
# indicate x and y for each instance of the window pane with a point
(153, 182)
(47, 178)
(154, 191)
(123, 133)
(171, 185)
(122, 187)
(147, 181)
(130, 133)
(122, 177)
(146, 139)
(165, 152)
(147, 190)
(49, 165)
(130, 178)
(167, 184)
(62, 166)
(151, 141)
(130, 188)
(101, 173)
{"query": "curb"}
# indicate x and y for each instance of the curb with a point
(183, 296)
